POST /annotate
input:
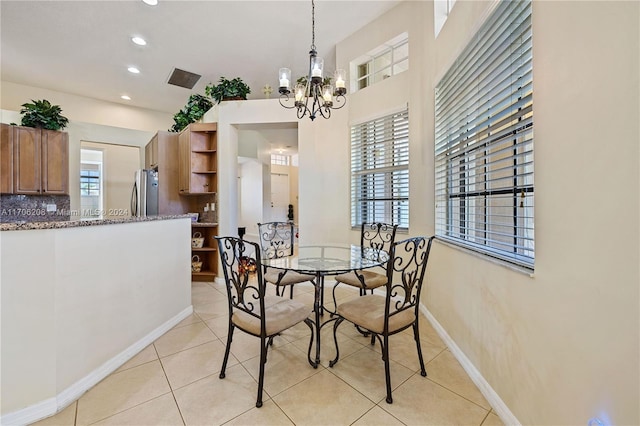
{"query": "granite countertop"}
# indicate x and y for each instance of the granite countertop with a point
(23, 226)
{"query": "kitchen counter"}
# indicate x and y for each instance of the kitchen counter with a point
(79, 300)
(22, 226)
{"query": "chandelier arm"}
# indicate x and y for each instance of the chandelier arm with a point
(339, 99)
(302, 111)
(324, 110)
(285, 98)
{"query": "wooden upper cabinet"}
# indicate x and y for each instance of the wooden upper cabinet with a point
(26, 160)
(6, 159)
(151, 153)
(55, 162)
(39, 161)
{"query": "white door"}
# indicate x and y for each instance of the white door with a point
(279, 197)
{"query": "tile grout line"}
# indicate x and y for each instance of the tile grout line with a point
(173, 395)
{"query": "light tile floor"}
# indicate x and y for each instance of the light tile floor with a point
(175, 380)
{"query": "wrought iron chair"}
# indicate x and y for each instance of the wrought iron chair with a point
(276, 240)
(378, 236)
(397, 310)
(250, 309)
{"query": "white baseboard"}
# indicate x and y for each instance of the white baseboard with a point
(485, 388)
(30, 414)
(54, 405)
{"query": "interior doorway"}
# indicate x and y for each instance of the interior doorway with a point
(267, 174)
(279, 197)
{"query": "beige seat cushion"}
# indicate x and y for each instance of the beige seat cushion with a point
(281, 314)
(289, 278)
(368, 312)
(371, 279)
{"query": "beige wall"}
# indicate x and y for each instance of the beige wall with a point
(560, 346)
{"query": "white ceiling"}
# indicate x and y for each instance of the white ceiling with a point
(84, 47)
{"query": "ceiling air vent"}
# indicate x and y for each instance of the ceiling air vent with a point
(183, 78)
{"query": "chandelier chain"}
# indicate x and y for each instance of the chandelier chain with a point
(313, 25)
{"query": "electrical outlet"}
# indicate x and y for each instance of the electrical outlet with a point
(51, 207)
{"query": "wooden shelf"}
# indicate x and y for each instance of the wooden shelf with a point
(204, 274)
(204, 249)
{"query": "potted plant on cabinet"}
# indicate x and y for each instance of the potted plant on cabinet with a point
(43, 115)
(235, 89)
(196, 107)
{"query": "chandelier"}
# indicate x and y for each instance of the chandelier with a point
(315, 94)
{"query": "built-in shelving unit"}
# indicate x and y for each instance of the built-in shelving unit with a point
(198, 159)
(208, 253)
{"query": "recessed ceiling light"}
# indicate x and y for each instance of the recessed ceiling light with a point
(133, 70)
(125, 97)
(139, 41)
(151, 2)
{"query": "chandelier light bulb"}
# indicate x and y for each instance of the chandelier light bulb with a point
(340, 77)
(300, 92)
(285, 79)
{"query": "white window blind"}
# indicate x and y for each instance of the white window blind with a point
(484, 140)
(380, 171)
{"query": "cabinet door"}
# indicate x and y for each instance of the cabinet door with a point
(26, 160)
(184, 162)
(55, 162)
(147, 156)
(151, 154)
(6, 159)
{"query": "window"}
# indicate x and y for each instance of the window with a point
(279, 159)
(484, 140)
(386, 60)
(89, 182)
(91, 185)
(380, 171)
(441, 11)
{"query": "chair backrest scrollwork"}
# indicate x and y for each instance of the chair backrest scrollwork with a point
(405, 275)
(276, 239)
(245, 286)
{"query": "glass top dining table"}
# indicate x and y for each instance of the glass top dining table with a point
(329, 259)
(322, 260)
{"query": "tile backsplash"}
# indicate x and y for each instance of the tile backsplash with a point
(34, 208)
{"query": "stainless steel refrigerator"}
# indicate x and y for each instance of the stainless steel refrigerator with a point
(144, 196)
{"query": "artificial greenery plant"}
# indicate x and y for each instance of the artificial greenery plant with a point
(228, 89)
(303, 80)
(43, 115)
(196, 107)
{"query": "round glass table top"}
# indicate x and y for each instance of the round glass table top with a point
(329, 259)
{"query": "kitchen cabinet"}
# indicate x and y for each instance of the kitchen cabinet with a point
(55, 162)
(6, 160)
(198, 159)
(208, 253)
(151, 152)
(40, 163)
